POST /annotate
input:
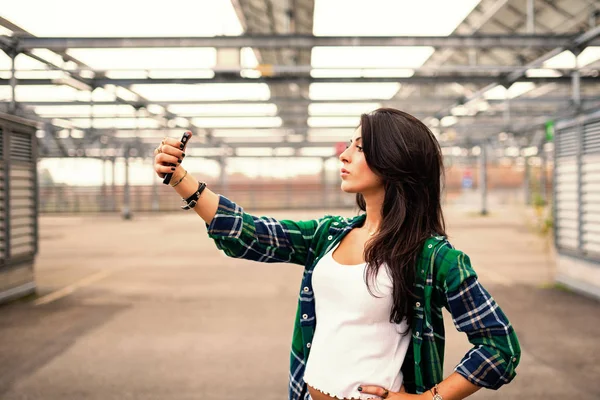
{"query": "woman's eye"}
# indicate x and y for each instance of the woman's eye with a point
(359, 148)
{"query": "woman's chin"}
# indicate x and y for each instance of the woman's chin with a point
(347, 188)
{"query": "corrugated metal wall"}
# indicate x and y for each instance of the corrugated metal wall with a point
(577, 188)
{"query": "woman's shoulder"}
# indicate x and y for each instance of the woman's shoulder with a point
(449, 263)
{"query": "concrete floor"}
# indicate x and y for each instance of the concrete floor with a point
(150, 309)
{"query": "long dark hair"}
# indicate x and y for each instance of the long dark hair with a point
(406, 155)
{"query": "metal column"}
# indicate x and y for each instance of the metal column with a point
(104, 197)
(531, 16)
(483, 178)
(576, 83)
(223, 173)
(527, 182)
(325, 199)
(576, 79)
(13, 82)
(126, 189)
(113, 203)
(543, 172)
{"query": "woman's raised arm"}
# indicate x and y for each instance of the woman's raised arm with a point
(237, 233)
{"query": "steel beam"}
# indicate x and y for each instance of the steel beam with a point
(580, 41)
(277, 69)
(298, 41)
(420, 114)
(303, 80)
(302, 101)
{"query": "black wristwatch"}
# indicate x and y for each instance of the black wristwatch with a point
(191, 201)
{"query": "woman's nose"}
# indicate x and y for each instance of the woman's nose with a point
(343, 157)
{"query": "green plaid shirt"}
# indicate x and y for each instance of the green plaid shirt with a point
(444, 279)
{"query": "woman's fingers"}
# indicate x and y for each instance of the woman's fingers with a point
(163, 158)
(163, 169)
(171, 150)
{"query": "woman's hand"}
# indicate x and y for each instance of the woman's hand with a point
(169, 151)
(401, 395)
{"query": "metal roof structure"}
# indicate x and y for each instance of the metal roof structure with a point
(496, 72)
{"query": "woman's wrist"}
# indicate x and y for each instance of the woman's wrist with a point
(188, 184)
(177, 175)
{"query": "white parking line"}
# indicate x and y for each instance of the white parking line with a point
(67, 290)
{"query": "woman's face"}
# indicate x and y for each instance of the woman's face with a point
(360, 178)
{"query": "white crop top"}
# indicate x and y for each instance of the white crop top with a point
(354, 342)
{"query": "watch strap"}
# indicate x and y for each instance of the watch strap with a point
(193, 199)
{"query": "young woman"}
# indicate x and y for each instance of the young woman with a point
(377, 282)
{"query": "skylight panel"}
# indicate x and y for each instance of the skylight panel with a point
(250, 134)
(317, 151)
(224, 109)
(188, 18)
(212, 91)
(330, 134)
(317, 109)
(381, 18)
(180, 73)
(499, 92)
(317, 122)
(566, 59)
(119, 123)
(254, 151)
(81, 110)
(258, 122)
(333, 91)
(147, 58)
(389, 17)
(370, 57)
(22, 62)
(40, 93)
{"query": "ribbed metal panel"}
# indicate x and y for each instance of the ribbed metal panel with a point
(2, 197)
(566, 142)
(21, 148)
(591, 138)
(22, 210)
(567, 204)
(590, 199)
(577, 188)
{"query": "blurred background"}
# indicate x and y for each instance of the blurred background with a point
(111, 291)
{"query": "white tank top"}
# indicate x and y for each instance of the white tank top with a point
(354, 342)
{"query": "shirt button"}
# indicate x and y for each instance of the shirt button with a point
(418, 304)
(430, 246)
(304, 316)
(306, 288)
(514, 359)
(422, 271)
(417, 334)
(308, 345)
(330, 237)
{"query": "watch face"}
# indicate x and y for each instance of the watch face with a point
(437, 397)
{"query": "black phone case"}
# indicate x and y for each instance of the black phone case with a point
(184, 139)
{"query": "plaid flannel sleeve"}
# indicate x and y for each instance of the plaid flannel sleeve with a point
(496, 353)
(263, 239)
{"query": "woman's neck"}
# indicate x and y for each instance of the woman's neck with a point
(374, 204)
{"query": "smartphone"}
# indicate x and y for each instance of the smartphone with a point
(184, 139)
